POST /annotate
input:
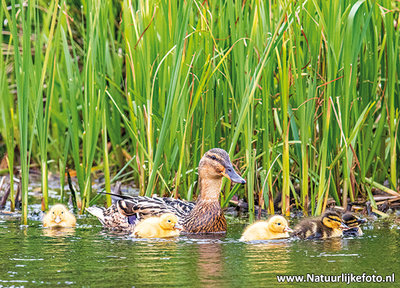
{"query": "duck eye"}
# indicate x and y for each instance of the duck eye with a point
(213, 157)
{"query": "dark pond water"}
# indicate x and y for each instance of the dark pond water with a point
(88, 256)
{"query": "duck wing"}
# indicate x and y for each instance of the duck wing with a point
(144, 207)
(112, 219)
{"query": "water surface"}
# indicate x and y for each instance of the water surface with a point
(89, 256)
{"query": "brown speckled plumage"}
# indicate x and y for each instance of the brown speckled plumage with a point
(204, 216)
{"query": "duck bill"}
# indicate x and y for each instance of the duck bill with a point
(287, 229)
(178, 227)
(235, 178)
(344, 226)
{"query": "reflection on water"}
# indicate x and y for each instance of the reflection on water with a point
(210, 263)
(328, 245)
(90, 256)
(271, 256)
(58, 232)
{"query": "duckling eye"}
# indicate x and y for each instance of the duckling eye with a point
(169, 221)
(62, 212)
(53, 212)
(278, 224)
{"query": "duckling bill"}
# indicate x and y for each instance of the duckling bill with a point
(328, 226)
(275, 228)
(353, 222)
(59, 216)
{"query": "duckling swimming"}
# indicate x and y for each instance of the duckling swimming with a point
(275, 228)
(204, 216)
(353, 222)
(158, 227)
(328, 226)
(59, 216)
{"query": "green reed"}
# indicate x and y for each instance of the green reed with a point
(22, 67)
(302, 94)
(43, 118)
(7, 115)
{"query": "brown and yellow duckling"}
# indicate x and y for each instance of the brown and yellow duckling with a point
(328, 226)
(353, 222)
(163, 226)
(59, 216)
(203, 216)
(275, 228)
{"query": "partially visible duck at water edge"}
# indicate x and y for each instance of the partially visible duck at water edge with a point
(353, 222)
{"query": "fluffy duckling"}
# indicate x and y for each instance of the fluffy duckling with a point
(59, 216)
(158, 227)
(353, 222)
(328, 226)
(275, 228)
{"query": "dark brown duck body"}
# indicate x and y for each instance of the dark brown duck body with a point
(203, 216)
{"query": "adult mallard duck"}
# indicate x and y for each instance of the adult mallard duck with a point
(59, 216)
(353, 222)
(203, 216)
(163, 226)
(328, 226)
(275, 228)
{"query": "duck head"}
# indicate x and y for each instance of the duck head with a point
(352, 220)
(278, 224)
(169, 221)
(332, 220)
(216, 164)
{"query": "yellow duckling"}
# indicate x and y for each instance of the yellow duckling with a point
(59, 216)
(275, 228)
(158, 227)
(328, 226)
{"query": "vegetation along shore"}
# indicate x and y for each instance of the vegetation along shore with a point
(303, 95)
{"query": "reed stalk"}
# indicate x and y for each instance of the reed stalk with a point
(7, 115)
(23, 92)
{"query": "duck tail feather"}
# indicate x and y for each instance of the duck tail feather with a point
(117, 197)
(97, 212)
